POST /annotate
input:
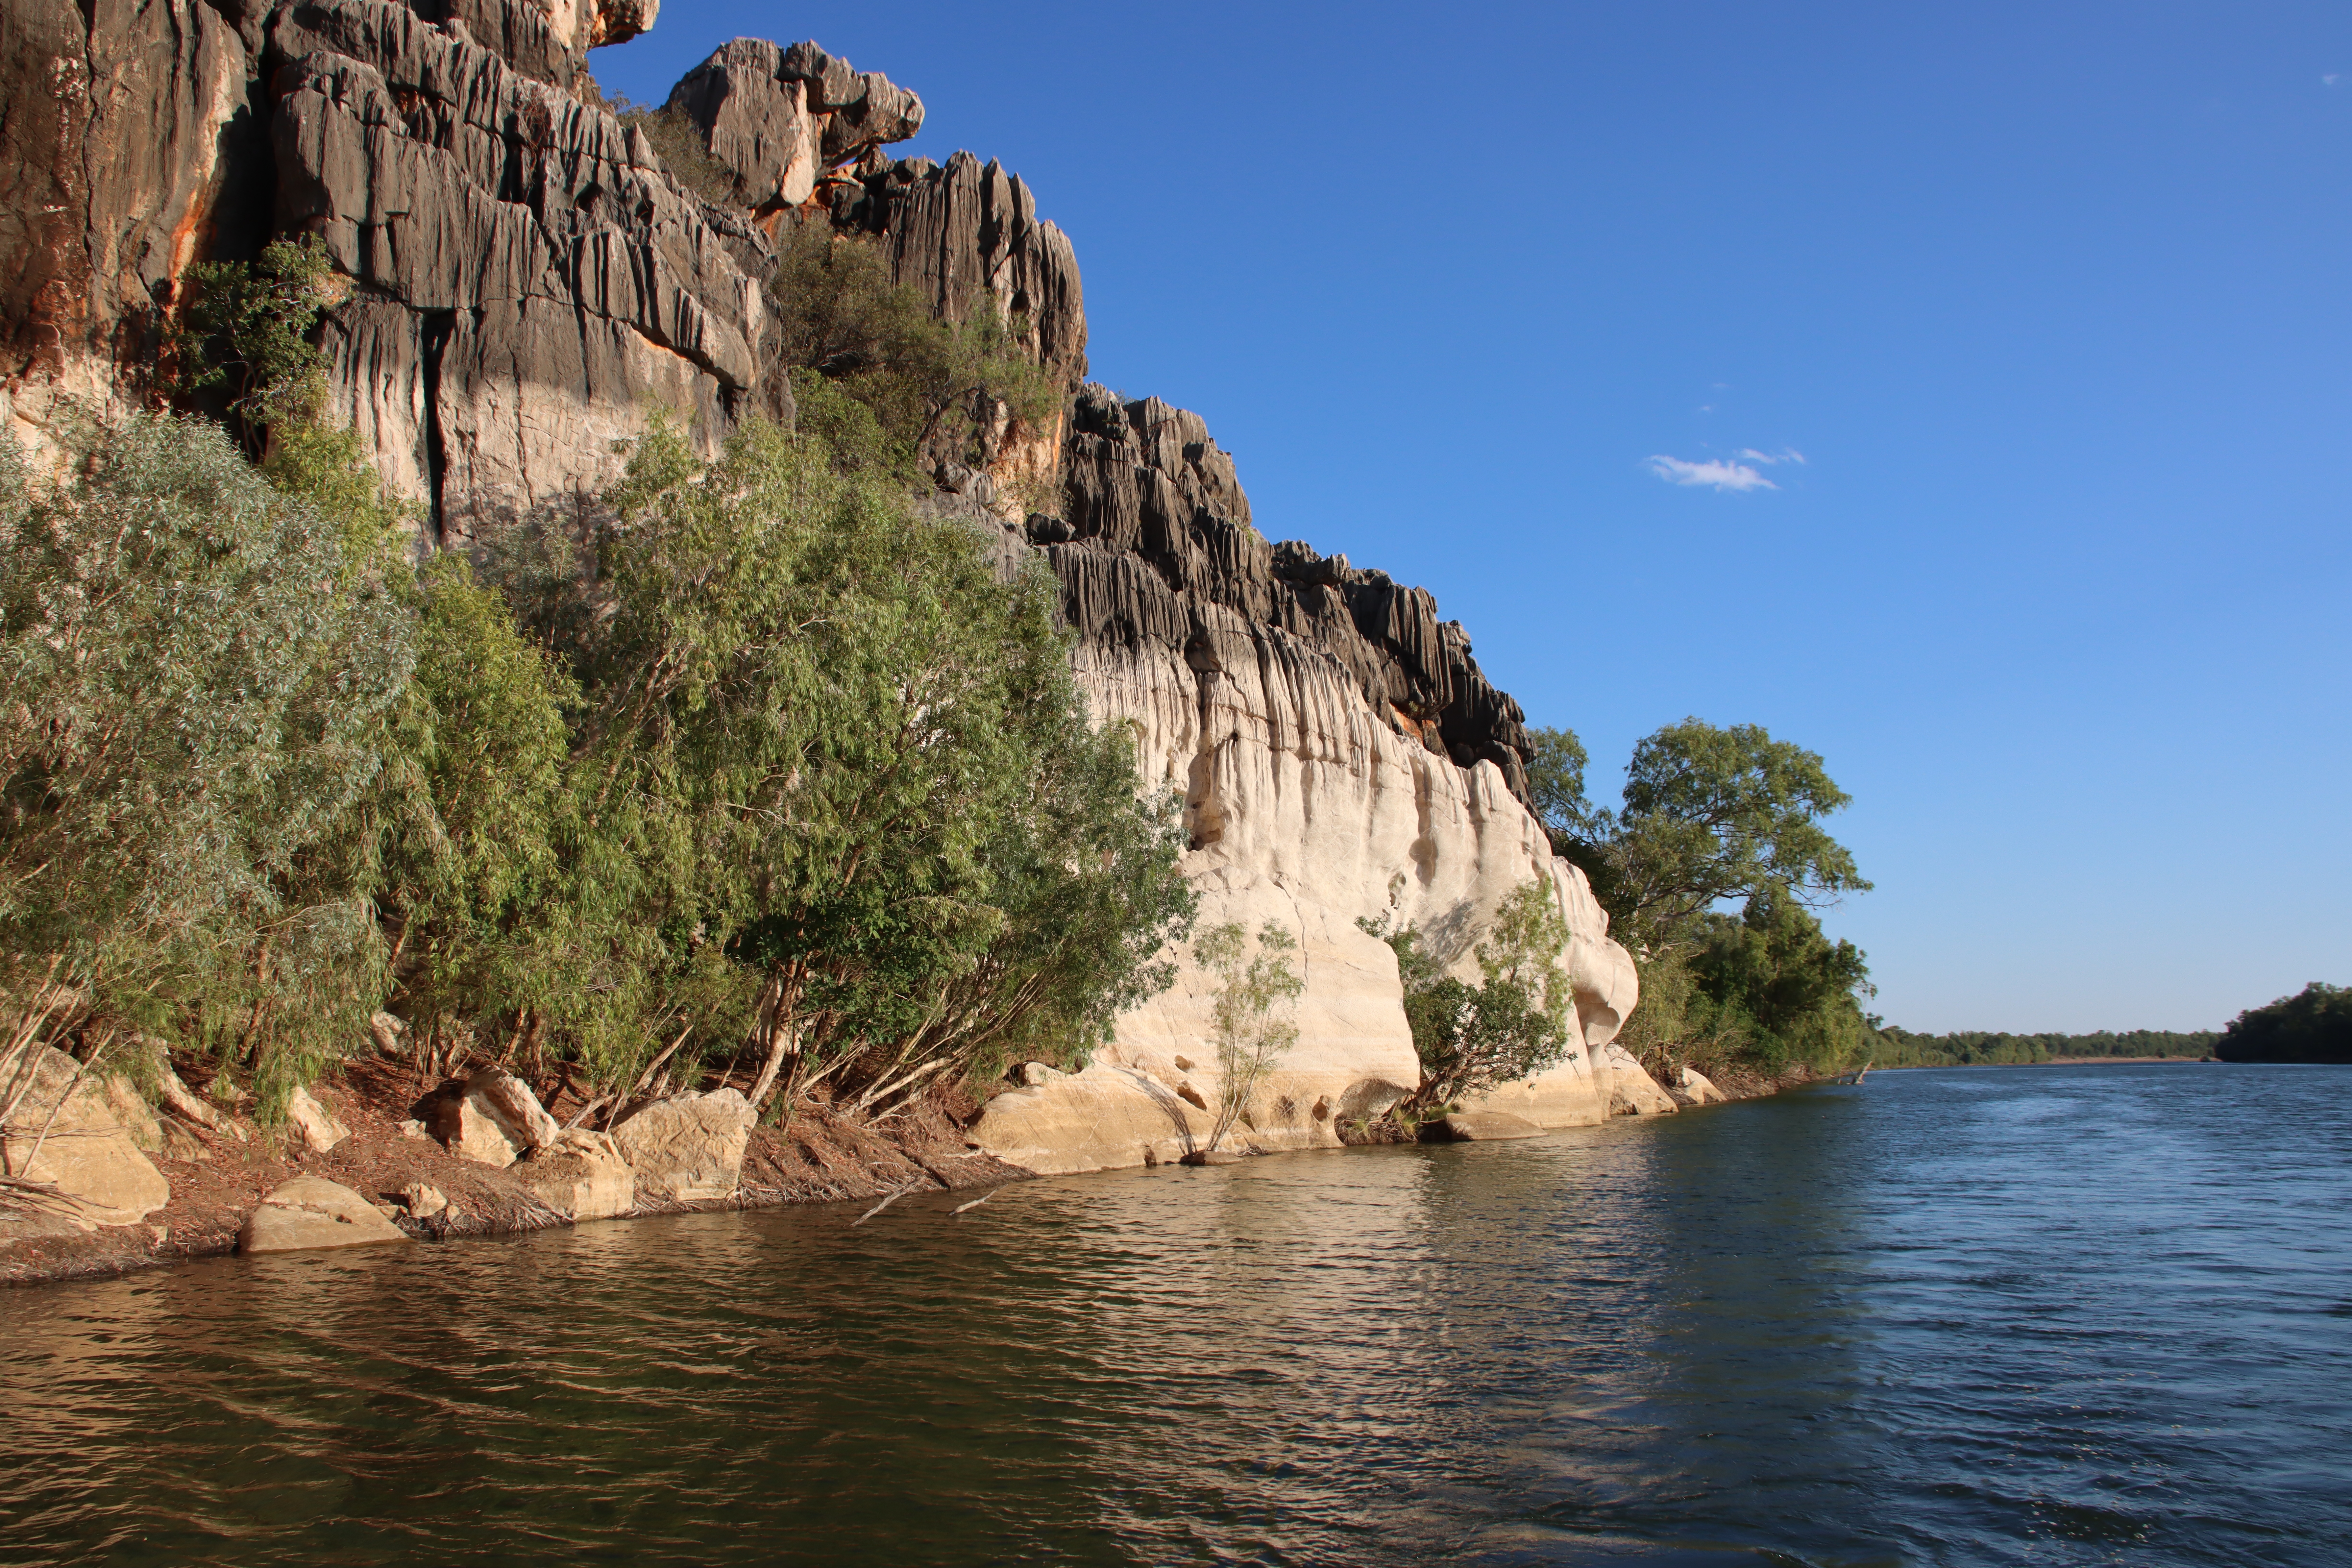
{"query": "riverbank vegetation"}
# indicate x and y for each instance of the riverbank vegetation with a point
(1976, 1047)
(762, 777)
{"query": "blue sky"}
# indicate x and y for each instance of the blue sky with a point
(2053, 300)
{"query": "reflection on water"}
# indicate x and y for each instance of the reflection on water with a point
(2056, 1316)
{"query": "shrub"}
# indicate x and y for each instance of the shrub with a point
(201, 672)
(1253, 1033)
(936, 389)
(1513, 1023)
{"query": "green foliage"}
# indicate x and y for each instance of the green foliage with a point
(1253, 1033)
(1976, 1047)
(1515, 1022)
(772, 769)
(2313, 1026)
(1556, 762)
(200, 674)
(819, 737)
(934, 388)
(472, 806)
(1711, 814)
(1793, 992)
(245, 329)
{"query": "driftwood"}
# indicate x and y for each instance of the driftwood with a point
(886, 1202)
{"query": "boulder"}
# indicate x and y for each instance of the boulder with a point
(777, 118)
(1483, 1127)
(689, 1147)
(582, 1175)
(183, 1101)
(310, 1211)
(1631, 1090)
(386, 1031)
(492, 1118)
(1696, 1085)
(137, 1117)
(314, 1123)
(424, 1200)
(88, 1153)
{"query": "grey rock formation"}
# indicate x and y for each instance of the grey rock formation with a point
(780, 119)
(531, 282)
(968, 232)
(547, 41)
(1156, 527)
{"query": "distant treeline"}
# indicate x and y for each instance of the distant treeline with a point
(1976, 1047)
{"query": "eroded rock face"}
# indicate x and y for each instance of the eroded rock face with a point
(545, 40)
(1340, 757)
(64, 1130)
(124, 125)
(533, 285)
(309, 1213)
(687, 1148)
(527, 286)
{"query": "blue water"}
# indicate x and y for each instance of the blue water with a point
(2049, 1315)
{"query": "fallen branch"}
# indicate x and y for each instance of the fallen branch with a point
(976, 1202)
(885, 1203)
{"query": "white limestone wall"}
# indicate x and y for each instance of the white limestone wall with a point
(1307, 810)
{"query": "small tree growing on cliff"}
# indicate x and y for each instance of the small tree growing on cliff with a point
(1254, 992)
(1515, 1022)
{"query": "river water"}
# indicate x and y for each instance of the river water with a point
(2049, 1315)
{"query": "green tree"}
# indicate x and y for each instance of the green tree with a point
(1515, 1022)
(243, 331)
(1709, 816)
(1797, 991)
(835, 785)
(2313, 1026)
(1253, 1030)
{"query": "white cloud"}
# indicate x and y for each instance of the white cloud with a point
(1785, 454)
(1723, 476)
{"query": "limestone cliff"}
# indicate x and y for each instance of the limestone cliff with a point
(526, 285)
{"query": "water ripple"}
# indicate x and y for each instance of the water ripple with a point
(2057, 1317)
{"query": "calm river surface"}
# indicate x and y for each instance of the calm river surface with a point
(2052, 1315)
